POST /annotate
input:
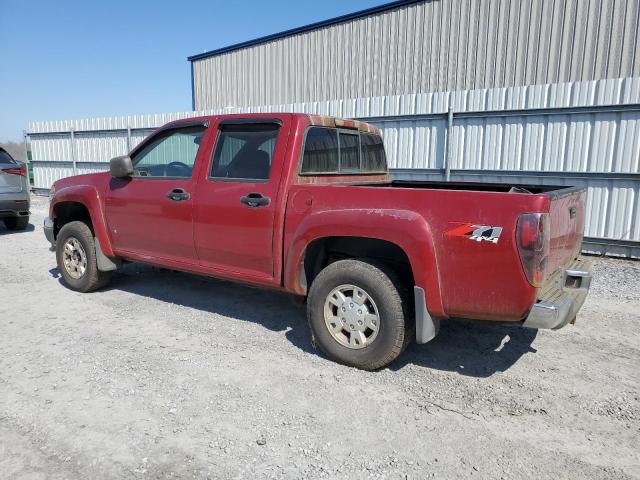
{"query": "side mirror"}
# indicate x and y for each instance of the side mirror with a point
(121, 167)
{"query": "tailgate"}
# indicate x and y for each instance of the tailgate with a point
(567, 214)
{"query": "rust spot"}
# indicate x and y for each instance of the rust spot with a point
(353, 179)
(335, 122)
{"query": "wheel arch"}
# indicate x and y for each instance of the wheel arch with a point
(325, 250)
(405, 235)
(70, 211)
(81, 203)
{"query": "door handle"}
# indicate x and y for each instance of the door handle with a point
(178, 194)
(255, 200)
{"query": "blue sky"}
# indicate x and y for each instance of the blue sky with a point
(62, 60)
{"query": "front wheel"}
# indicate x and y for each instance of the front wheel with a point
(76, 257)
(357, 314)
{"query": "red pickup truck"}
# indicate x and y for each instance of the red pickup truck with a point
(304, 203)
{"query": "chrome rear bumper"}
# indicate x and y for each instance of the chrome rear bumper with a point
(561, 298)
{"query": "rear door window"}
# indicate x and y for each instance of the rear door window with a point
(245, 151)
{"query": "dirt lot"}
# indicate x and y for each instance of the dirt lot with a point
(166, 375)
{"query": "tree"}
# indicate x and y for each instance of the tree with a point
(15, 149)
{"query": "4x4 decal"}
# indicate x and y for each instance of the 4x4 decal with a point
(478, 233)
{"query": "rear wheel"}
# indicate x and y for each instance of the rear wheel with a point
(76, 257)
(357, 313)
(16, 223)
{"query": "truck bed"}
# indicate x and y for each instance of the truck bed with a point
(565, 210)
(478, 279)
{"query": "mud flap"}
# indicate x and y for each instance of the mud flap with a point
(426, 326)
(105, 264)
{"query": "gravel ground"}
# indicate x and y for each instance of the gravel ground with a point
(166, 375)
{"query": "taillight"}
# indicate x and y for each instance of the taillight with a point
(21, 170)
(532, 237)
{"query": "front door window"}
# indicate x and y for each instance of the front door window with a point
(170, 155)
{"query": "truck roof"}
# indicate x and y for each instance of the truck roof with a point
(313, 119)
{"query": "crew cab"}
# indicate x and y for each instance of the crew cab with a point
(304, 203)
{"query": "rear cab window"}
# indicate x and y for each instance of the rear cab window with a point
(332, 151)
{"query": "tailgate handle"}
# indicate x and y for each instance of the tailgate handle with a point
(573, 211)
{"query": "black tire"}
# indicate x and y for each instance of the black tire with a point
(16, 223)
(92, 279)
(389, 294)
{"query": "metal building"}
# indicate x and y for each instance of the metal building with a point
(514, 91)
(418, 46)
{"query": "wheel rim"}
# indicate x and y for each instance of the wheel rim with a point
(351, 316)
(74, 258)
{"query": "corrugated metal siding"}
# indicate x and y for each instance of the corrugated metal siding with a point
(434, 46)
(55, 147)
(109, 124)
(46, 173)
(603, 142)
(99, 146)
(600, 149)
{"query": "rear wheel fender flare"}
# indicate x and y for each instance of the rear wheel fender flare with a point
(404, 228)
